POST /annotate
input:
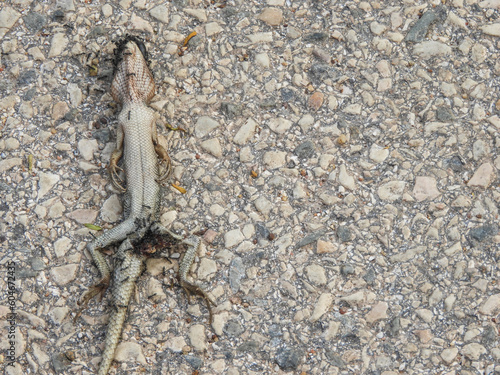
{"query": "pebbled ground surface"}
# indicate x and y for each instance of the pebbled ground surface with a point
(341, 161)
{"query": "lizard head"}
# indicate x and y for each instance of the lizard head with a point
(132, 81)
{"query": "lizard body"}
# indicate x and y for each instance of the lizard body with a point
(133, 87)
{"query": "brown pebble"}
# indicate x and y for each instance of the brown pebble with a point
(316, 100)
(497, 105)
(342, 139)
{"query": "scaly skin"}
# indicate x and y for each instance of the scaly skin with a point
(133, 87)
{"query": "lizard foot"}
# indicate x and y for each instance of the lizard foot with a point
(165, 167)
(99, 288)
(115, 176)
(191, 289)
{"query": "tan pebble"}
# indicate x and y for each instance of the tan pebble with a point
(497, 105)
(316, 100)
(342, 139)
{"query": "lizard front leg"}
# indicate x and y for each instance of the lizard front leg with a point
(165, 161)
(113, 161)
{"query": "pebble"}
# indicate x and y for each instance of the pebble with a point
(378, 312)
(83, 215)
(205, 125)
(233, 238)
(128, 351)
(322, 305)
(491, 305)
(316, 101)
(197, 337)
(199, 14)
(111, 210)
(420, 29)
(87, 147)
(212, 28)
(449, 355)
(160, 13)
(274, 159)
(316, 274)
(246, 132)
(263, 205)
(378, 154)
(483, 176)
(271, 16)
(236, 274)
(429, 49)
(62, 275)
(46, 182)
(345, 179)
(305, 150)
(212, 146)
(492, 29)
(279, 125)
(391, 191)
(288, 359)
(473, 351)
(425, 188)
(61, 246)
(58, 44)
(8, 18)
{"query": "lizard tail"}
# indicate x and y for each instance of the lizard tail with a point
(112, 337)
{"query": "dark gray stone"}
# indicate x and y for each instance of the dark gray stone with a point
(335, 359)
(37, 264)
(305, 150)
(249, 346)
(102, 135)
(26, 77)
(455, 163)
(483, 232)
(30, 94)
(310, 238)
(288, 359)
(262, 231)
(347, 269)
(61, 362)
(344, 233)
(369, 276)
(233, 328)
(195, 362)
(236, 273)
(489, 336)
(419, 30)
(315, 37)
(319, 72)
(287, 94)
(444, 114)
(394, 326)
(34, 21)
(230, 109)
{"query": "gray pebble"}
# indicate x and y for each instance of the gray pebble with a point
(419, 30)
(233, 328)
(305, 150)
(347, 269)
(444, 114)
(236, 273)
(288, 359)
(344, 233)
(34, 21)
(483, 232)
(310, 238)
(195, 362)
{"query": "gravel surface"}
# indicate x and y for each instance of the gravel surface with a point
(340, 159)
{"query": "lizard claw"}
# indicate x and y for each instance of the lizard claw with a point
(115, 176)
(166, 166)
(99, 288)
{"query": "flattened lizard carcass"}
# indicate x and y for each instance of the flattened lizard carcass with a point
(133, 87)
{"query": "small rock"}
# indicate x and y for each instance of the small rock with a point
(263, 205)
(87, 147)
(271, 16)
(176, 344)
(345, 179)
(305, 150)
(46, 183)
(425, 315)
(34, 21)
(262, 59)
(234, 328)
(140, 24)
(107, 10)
(315, 37)
(316, 274)
(199, 14)
(491, 306)
(61, 246)
(274, 159)
(197, 337)
(279, 125)
(212, 28)
(322, 306)
(377, 28)
(325, 247)
(58, 44)
(483, 176)
(429, 49)
(160, 13)
(419, 30)
(130, 351)
(378, 154)
(83, 215)
(347, 269)
(233, 237)
(207, 267)
(111, 210)
(246, 132)
(493, 29)
(473, 351)
(205, 125)
(483, 232)
(378, 312)
(316, 100)
(59, 110)
(236, 274)
(212, 146)
(425, 188)
(444, 114)
(7, 164)
(391, 191)
(64, 274)
(449, 355)
(344, 233)
(424, 335)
